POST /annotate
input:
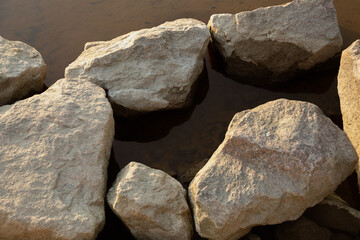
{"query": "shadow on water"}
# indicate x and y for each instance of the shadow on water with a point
(156, 125)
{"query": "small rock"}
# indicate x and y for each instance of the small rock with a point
(146, 70)
(22, 71)
(151, 203)
(54, 151)
(270, 44)
(349, 92)
(302, 229)
(277, 160)
(335, 213)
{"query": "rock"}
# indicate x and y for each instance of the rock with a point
(146, 70)
(335, 213)
(22, 71)
(302, 229)
(151, 203)
(189, 175)
(54, 151)
(270, 44)
(349, 92)
(276, 160)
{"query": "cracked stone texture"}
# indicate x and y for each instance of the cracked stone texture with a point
(54, 151)
(270, 44)
(349, 94)
(146, 70)
(277, 160)
(151, 203)
(22, 71)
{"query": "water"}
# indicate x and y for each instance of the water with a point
(171, 140)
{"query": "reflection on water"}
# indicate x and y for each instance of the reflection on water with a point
(170, 140)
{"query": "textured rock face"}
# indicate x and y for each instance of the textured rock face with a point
(151, 203)
(22, 71)
(147, 70)
(54, 151)
(349, 92)
(272, 43)
(276, 160)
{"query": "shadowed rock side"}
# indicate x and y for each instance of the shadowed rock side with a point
(334, 213)
(22, 71)
(146, 70)
(349, 94)
(151, 203)
(54, 151)
(276, 160)
(271, 44)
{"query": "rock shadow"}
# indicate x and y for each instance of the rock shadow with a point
(156, 125)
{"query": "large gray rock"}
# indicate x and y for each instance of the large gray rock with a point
(274, 42)
(22, 71)
(54, 151)
(276, 160)
(349, 93)
(146, 70)
(151, 203)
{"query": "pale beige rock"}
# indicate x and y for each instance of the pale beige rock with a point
(22, 71)
(146, 70)
(276, 160)
(274, 42)
(54, 151)
(349, 93)
(151, 204)
(335, 213)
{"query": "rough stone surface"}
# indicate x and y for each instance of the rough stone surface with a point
(349, 93)
(302, 229)
(146, 70)
(274, 42)
(54, 151)
(276, 160)
(22, 71)
(151, 203)
(335, 213)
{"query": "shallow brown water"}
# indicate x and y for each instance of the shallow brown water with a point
(171, 140)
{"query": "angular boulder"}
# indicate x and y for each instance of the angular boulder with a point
(276, 160)
(146, 70)
(151, 203)
(349, 94)
(22, 71)
(270, 44)
(54, 151)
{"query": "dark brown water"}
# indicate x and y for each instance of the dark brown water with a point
(171, 140)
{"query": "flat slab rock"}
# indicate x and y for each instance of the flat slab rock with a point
(22, 71)
(54, 151)
(277, 160)
(146, 70)
(151, 203)
(270, 44)
(349, 94)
